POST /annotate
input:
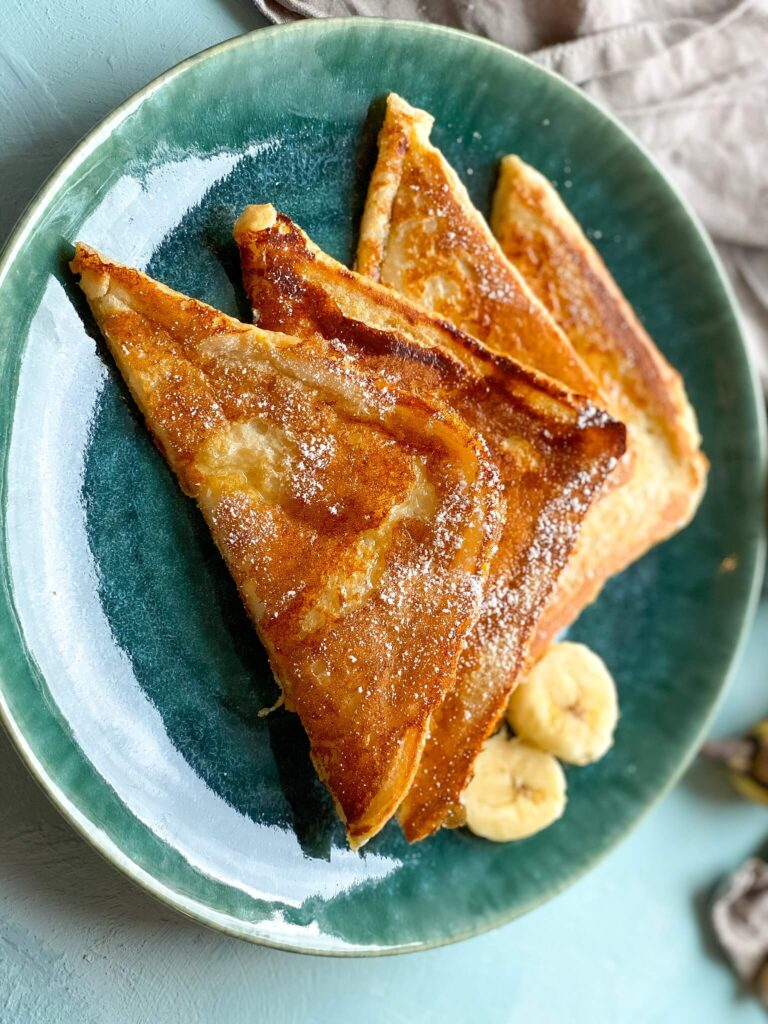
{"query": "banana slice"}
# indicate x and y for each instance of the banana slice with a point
(516, 791)
(567, 705)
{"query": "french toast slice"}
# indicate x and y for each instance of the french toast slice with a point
(421, 235)
(553, 451)
(357, 520)
(668, 470)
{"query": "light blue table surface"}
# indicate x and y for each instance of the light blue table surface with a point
(78, 943)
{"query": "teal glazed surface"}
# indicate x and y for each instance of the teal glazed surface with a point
(131, 679)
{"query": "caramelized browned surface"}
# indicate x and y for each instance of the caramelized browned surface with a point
(422, 236)
(358, 521)
(667, 469)
(553, 451)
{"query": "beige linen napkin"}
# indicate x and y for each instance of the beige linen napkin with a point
(688, 77)
(740, 920)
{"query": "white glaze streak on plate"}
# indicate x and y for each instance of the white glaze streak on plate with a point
(90, 678)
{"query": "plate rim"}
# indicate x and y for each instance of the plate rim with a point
(96, 837)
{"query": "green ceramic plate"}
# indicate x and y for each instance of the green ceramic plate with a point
(131, 679)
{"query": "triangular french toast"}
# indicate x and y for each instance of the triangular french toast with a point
(668, 470)
(553, 451)
(421, 235)
(357, 520)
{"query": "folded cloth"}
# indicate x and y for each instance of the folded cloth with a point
(740, 920)
(688, 77)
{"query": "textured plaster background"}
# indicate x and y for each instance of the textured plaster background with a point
(79, 943)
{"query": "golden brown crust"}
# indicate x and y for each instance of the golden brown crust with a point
(553, 451)
(357, 520)
(421, 235)
(668, 470)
